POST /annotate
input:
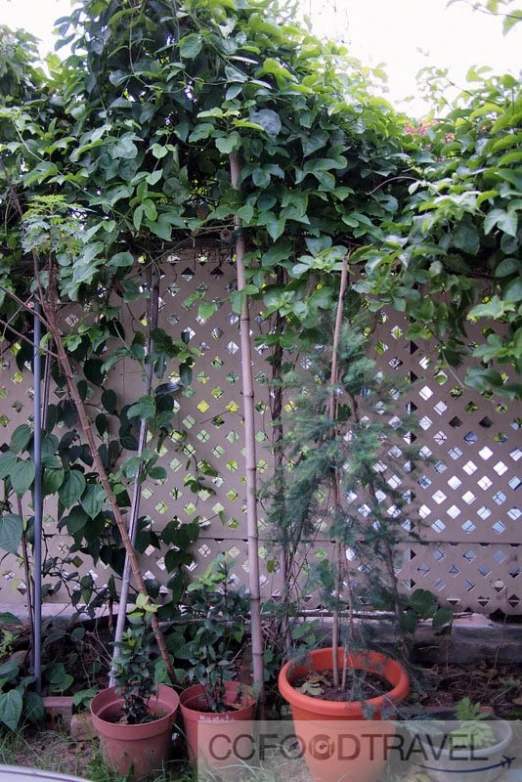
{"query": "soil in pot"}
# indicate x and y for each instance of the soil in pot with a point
(359, 686)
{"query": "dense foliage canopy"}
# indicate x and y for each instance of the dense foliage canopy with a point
(121, 152)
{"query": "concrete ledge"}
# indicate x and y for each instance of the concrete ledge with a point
(473, 637)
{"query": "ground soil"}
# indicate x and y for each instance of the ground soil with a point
(496, 686)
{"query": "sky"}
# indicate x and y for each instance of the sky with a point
(406, 35)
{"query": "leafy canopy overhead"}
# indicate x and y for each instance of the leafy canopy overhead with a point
(121, 154)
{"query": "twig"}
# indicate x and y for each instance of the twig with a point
(26, 339)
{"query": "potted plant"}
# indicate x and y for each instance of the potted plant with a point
(467, 742)
(134, 719)
(339, 443)
(212, 651)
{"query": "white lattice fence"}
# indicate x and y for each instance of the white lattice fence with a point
(466, 496)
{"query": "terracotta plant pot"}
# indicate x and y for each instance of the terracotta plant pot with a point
(136, 749)
(201, 724)
(332, 750)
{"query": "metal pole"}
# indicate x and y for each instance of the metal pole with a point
(152, 323)
(37, 502)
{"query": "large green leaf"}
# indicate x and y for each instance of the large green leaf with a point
(20, 438)
(93, 499)
(11, 706)
(513, 291)
(22, 476)
(7, 462)
(466, 238)
(190, 46)
(72, 488)
(34, 709)
(52, 480)
(11, 530)
(268, 119)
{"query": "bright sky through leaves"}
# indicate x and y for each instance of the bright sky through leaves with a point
(406, 35)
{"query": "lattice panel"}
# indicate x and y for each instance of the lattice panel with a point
(467, 491)
(466, 504)
(210, 412)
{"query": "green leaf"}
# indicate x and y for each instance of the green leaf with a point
(513, 291)
(190, 46)
(76, 520)
(233, 91)
(505, 220)
(507, 267)
(162, 227)
(121, 260)
(34, 709)
(441, 618)
(145, 408)
(137, 217)
(423, 603)
(7, 462)
(466, 238)
(201, 131)
(124, 148)
(159, 151)
(261, 178)
(109, 400)
(6, 618)
(20, 438)
(11, 706)
(228, 144)
(246, 213)
(92, 500)
(72, 488)
(93, 371)
(52, 480)
(206, 309)
(22, 476)
(268, 119)
(11, 530)
(494, 309)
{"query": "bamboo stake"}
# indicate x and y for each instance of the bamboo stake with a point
(250, 443)
(337, 495)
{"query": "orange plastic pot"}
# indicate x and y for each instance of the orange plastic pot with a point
(343, 740)
(213, 738)
(135, 749)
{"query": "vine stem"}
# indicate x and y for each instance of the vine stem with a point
(49, 305)
(250, 443)
(50, 314)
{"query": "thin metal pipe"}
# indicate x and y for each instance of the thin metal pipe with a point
(37, 501)
(153, 282)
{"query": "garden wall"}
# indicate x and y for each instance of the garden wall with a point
(466, 496)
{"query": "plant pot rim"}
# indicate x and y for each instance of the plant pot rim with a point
(108, 701)
(197, 691)
(387, 665)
